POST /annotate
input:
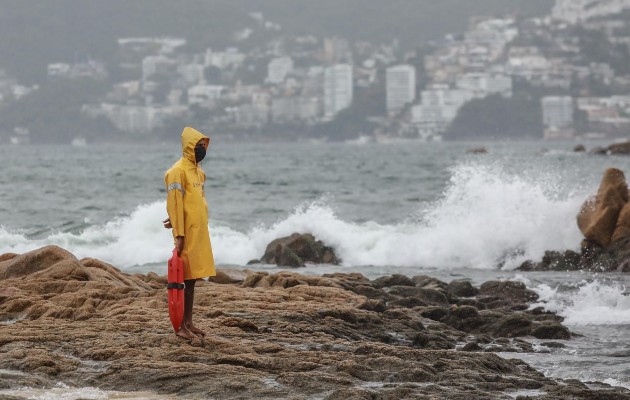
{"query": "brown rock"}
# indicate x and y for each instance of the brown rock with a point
(622, 228)
(7, 256)
(252, 279)
(598, 150)
(551, 330)
(514, 292)
(477, 150)
(511, 326)
(429, 282)
(228, 276)
(579, 148)
(393, 280)
(297, 249)
(597, 218)
(461, 288)
(619, 148)
(34, 261)
(425, 296)
(281, 335)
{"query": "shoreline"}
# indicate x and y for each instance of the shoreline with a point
(86, 323)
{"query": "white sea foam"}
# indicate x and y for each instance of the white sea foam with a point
(484, 218)
(588, 303)
(65, 392)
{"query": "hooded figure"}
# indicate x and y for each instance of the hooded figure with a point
(187, 207)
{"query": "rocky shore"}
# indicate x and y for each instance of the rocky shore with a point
(283, 335)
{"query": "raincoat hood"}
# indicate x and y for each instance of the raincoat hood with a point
(190, 138)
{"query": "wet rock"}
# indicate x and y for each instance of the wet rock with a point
(393, 280)
(435, 313)
(619, 148)
(433, 341)
(461, 288)
(228, 276)
(555, 261)
(604, 220)
(374, 305)
(511, 326)
(551, 330)
(472, 346)
(426, 296)
(429, 282)
(297, 249)
(598, 151)
(477, 150)
(597, 218)
(508, 290)
(579, 148)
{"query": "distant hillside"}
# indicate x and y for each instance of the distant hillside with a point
(35, 33)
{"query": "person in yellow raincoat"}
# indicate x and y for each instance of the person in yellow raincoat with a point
(188, 218)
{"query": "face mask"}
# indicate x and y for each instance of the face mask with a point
(200, 153)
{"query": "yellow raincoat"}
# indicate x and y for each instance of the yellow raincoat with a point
(188, 210)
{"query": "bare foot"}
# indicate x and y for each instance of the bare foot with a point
(185, 333)
(196, 330)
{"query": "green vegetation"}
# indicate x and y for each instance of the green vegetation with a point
(497, 117)
(594, 45)
(353, 121)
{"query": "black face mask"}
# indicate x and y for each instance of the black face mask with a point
(200, 153)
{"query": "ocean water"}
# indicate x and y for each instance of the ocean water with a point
(411, 208)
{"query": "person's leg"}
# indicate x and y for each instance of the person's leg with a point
(189, 299)
(189, 294)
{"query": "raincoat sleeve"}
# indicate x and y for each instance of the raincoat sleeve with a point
(175, 201)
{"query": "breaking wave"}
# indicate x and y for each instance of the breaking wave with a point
(485, 218)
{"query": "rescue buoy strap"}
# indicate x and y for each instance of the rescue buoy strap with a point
(175, 285)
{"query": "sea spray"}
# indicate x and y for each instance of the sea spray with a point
(594, 301)
(485, 218)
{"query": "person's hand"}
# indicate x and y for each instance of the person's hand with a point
(179, 244)
(167, 223)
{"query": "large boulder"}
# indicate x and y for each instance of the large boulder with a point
(597, 218)
(604, 220)
(36, 261)
(461, 288)
(297, 249)
(512, 291)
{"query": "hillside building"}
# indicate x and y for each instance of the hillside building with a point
(558, 117)
(278, 69)
(401, 87)
(338, 89)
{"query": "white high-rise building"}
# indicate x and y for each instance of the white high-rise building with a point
(338, 89)
(558, 117)
(438, 109)
(401, 87)
(278, 69)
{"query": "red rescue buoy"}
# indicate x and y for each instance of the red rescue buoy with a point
(176, 290)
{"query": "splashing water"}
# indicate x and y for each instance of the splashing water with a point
(485, 217)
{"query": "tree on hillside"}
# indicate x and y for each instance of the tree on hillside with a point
(499, 118)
